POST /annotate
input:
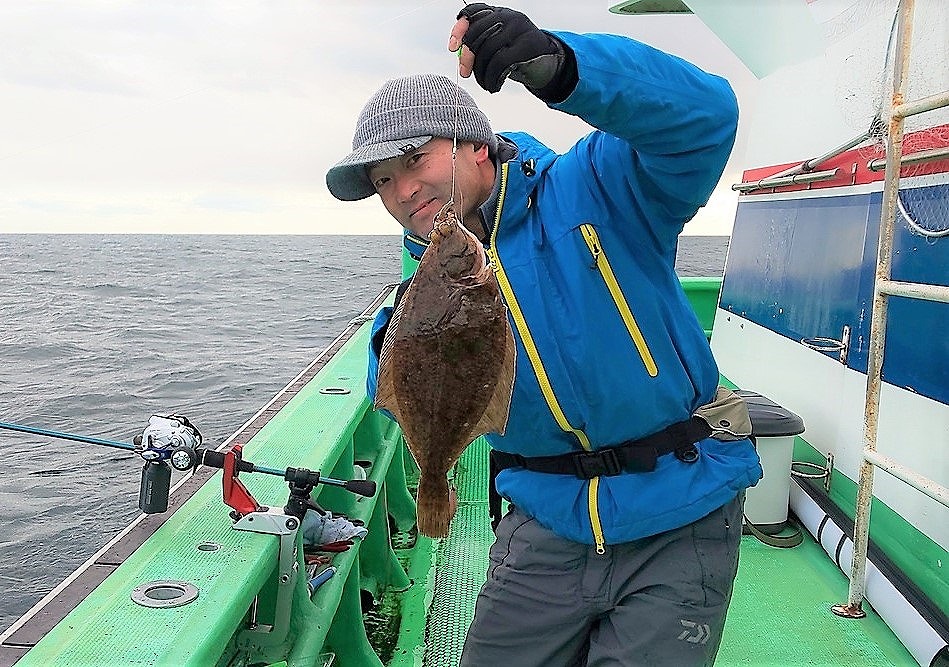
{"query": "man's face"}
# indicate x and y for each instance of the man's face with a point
(414, 187)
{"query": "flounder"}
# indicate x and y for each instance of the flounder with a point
(446, 370)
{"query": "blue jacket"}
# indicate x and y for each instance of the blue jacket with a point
(608, 347)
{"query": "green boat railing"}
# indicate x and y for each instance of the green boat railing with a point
(703, 296)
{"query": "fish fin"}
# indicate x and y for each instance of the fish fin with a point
(385, 383)
(434, 507)
(385, 393)
(494, 419)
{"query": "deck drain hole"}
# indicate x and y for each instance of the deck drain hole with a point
(209, 546)
(164, 593)
(334, 390)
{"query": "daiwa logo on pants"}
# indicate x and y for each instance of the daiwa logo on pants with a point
(694, 633)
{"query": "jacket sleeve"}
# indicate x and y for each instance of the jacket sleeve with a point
(379, 326)
(376, 338)
(670, 127)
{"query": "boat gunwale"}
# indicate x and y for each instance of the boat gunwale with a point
(35, 623)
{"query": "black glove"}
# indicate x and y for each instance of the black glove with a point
(506, 43)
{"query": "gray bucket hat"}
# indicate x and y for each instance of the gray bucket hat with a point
(401, 116)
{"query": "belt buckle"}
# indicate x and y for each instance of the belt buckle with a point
(594, 464)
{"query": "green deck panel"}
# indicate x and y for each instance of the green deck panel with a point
(779, 615)
(108, 628)
(416, 602)
(462, 560)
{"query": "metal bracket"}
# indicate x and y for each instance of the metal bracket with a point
(825, 472)
(821, 344)
(285, 527)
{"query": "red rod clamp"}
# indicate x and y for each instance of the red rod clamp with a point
(236, 494)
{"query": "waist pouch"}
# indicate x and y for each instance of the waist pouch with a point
(725, 418)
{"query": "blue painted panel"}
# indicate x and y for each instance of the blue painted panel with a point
(917, 341)
(795, 266)
(805, 268)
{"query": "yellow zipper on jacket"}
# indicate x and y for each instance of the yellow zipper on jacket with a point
(593, 494)
(606, 271)
(538, 365)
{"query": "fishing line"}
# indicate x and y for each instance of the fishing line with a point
(938, 229)
(454, 139)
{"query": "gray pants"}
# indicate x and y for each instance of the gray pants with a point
(551, 602)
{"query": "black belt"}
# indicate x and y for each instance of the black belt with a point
(632, 456)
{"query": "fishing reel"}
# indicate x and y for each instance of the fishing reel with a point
(173, 442)
(166, 440)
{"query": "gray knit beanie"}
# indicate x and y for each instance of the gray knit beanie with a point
(401, 116)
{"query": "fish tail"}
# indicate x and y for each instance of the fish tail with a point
(434, 509)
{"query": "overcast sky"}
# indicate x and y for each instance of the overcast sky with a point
(223, 117)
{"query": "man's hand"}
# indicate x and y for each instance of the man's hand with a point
(500, 42)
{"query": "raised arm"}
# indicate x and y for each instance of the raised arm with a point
(676, 123)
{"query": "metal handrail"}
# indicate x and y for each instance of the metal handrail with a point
(936, 491)
(802, 172)
(914, 290)
(919, 157)
(814, 162)
(883, 288)
(922, 105)
(774, 181)
(808, 166)
(904, 110)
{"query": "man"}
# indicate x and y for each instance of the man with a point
(621, 546)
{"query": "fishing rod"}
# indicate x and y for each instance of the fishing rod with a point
(173, 442)
(65, 436)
